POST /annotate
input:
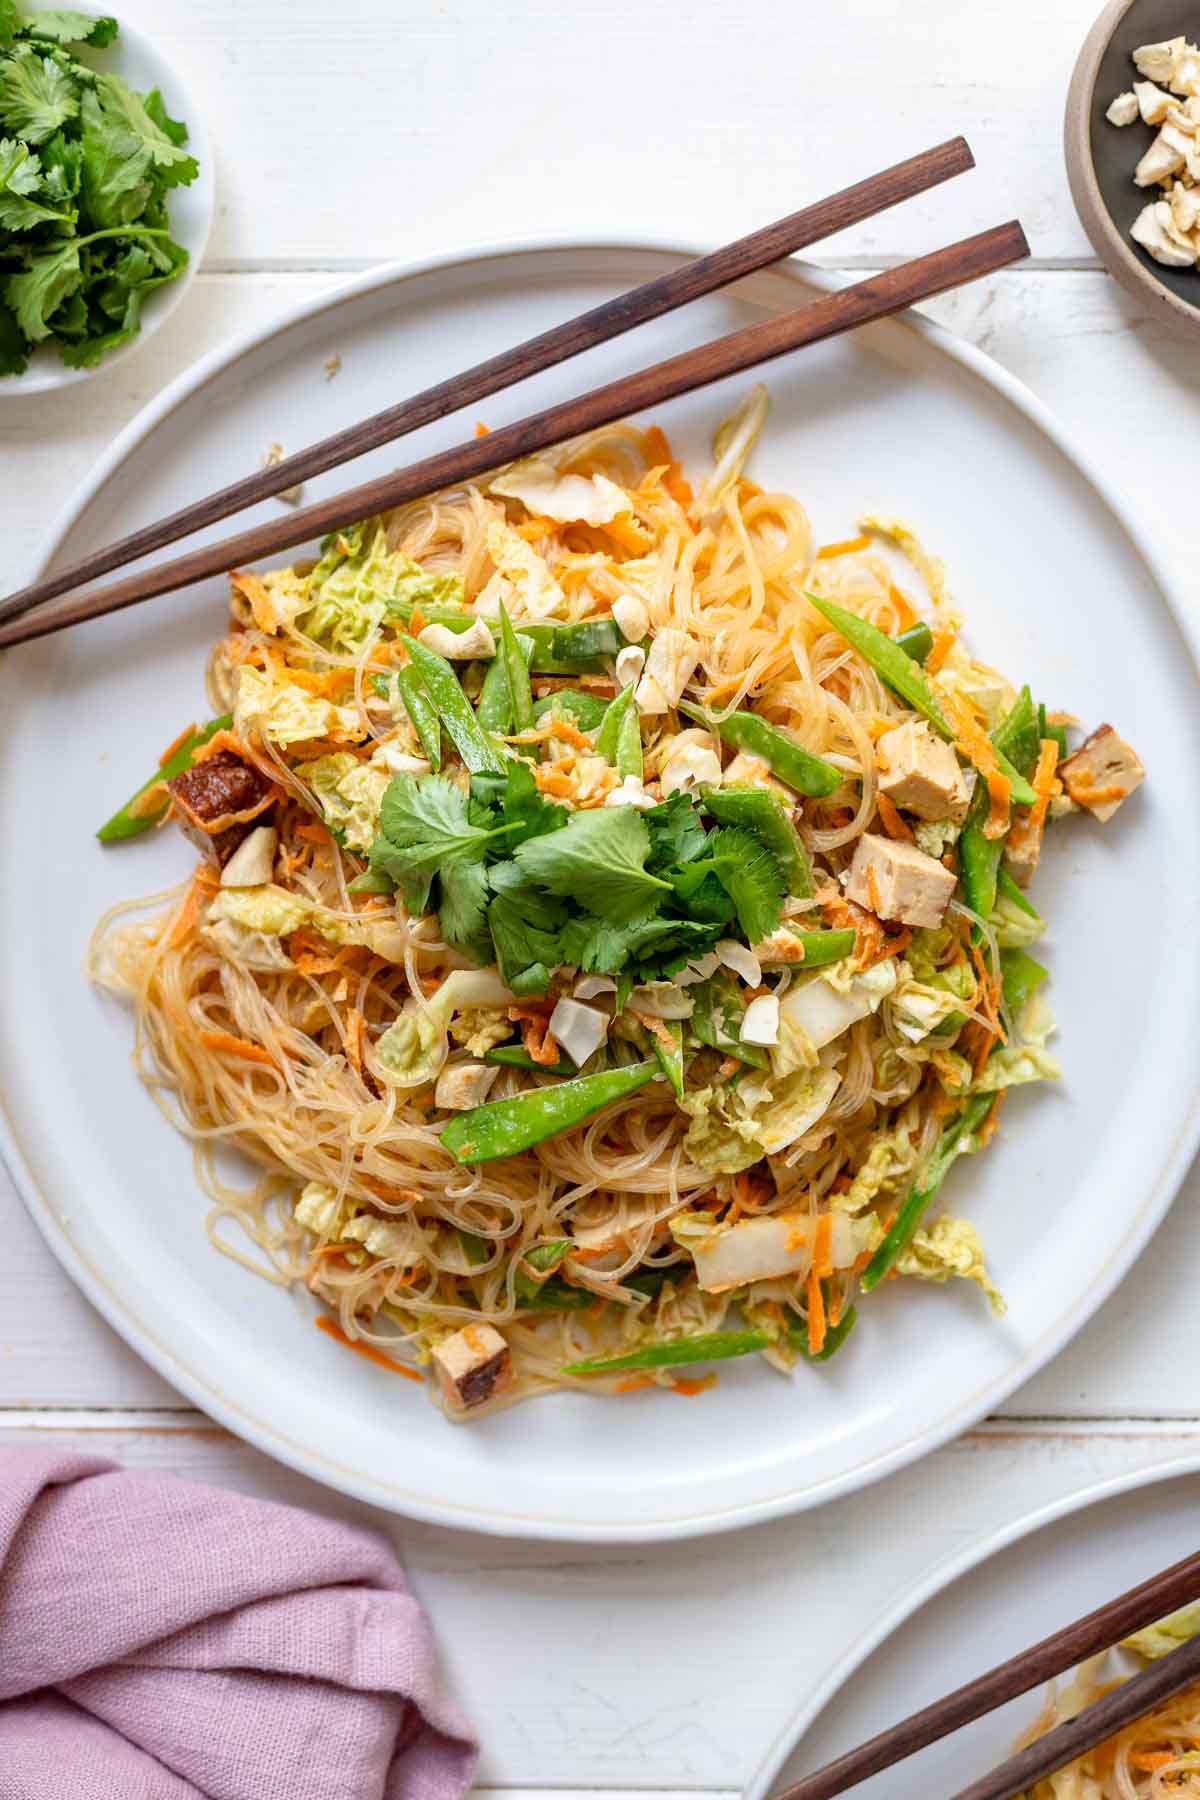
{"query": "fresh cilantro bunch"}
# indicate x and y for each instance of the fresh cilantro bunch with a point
(521, 881)
(85, 167)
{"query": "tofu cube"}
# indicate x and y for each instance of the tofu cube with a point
(1123, 110)
(1102, 773)
(473, 1366)
(897, 881)
(921, 773)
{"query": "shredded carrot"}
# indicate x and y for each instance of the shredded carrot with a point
(846, 547)
(176, 743)
(352, 1037)
(873, 894)
(690, 1385)
(326, 684)
(987, 1130)
(417, 621)
(311, 831)
(1147, 1761)
(332, 1329)
(1043, 782)
(893, 824)
(633, 1384)
(481, 430)
(816, 1312)
(943, 643)
(977, 747)
(552, 779)
(823, 1244)
(226, 1044)
(906, 611)
(659, 451)
(569, 733)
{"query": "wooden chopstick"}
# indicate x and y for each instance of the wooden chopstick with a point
(1139, 1606)
(651, 300)
(1141, 1694)
(825, 317)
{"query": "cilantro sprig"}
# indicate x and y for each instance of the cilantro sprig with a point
(522, 881)
(85, 167)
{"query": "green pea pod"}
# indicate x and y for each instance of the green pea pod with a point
(587, 710)
(549, 660)
(979, 858)
(963, 1125)
(708, 1346)
(457, 714)
(608, 737)
(510, 1056)
(454, 618)
(629, 745)
(533, 1289)
(890, 662)
(1020, 978)
(1016, 739)
(130, 820)
(553, 1295)
(516, 669)
(821, 947)
(1007, 888)
(1057, 732)
(495, 708)
(588, 638)
(372, 881)
(764, 814)
(474, 1248)
(505, 1127)
(423, 714)
(835, 1336)
(916, 641)
(670, 1058)
(801, 770)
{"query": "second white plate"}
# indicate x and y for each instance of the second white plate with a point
(1056, 591)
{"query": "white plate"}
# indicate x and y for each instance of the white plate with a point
(975, 1611)
(142, 64)
(899, 418)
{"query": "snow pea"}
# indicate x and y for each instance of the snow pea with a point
(504, 1127)
(835, 1336)
(494, 709)
(511, 1056)
(474, 1248)
(807, 773)
(421, 711)
(457, 714)
(1057, 732)
(707, 1346)
(131, 820)
(821, 947)
(1016, 738)
(889, 660)
(670, 1057)
(548, 1295)
(454, 618)
(516, 670)
(978, 854)
(922, 1192)
(1020, 978)
(586, 709)
(1007, 888)
(760, 810)
(916, 641)
(580, 649)
(619, 740)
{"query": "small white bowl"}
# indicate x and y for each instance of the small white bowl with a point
(190, 209)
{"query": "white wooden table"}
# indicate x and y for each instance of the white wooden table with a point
(388, 128)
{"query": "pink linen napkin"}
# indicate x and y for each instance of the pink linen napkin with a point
(160, 1640)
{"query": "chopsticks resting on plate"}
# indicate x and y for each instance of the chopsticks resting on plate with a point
(827, 316)
(1062, 1650)
(692, 280)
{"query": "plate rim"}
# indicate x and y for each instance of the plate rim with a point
(232, 1413)
(936, 1581)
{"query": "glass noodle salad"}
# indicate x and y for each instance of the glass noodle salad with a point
(1157, 1757)
(611, 926)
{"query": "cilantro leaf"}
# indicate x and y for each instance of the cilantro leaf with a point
(20, 180)
(427, 822)
(676, 833)
(13, 353)
(10, 21)
(751, 877)
(71, 28)
(601, 947)
(36, 94)
(597, 859)
(35, 294)
(127, 113)
(61, 159)
(527, 811)
(116, 167)
(525, 924)
(156, 109)
(462, 905)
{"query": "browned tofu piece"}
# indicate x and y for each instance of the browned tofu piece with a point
(921, 773)
(473, 1366)
(1102, 772)
(217, 799)
(1023, 845)
(895, 880)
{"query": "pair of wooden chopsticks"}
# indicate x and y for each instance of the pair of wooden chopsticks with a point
(1100, 1630)
(41, 608)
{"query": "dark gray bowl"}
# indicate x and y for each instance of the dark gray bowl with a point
(1101, 157)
